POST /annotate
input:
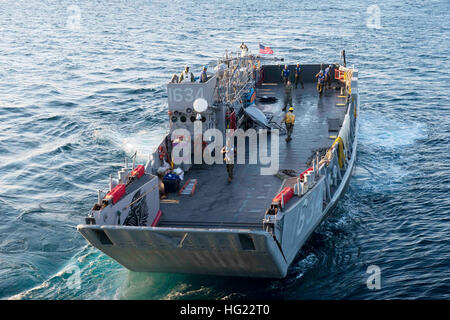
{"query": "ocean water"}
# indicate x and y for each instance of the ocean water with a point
(82, 86)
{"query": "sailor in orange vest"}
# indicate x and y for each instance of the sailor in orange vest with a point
(289, 119)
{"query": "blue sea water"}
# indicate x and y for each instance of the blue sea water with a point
(82, 86)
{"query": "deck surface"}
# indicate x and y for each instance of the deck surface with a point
(243, 202)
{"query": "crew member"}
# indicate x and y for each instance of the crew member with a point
(298, 76)
(254, 74)
(162, 192)
(289, 120)
(285, 74)
(228, 152)
(320, 81)
(327, 75)
(244, 49)
(186, 75)
(203, 75)
(174, 79)
(287, 95)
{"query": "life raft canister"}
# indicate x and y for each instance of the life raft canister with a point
(302, 175)
(138, 171)
(116, 193)
(287, 193)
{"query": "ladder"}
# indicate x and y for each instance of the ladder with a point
(188, 188)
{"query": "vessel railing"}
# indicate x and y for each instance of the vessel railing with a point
(329, 166)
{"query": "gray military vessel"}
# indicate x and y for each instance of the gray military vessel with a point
(184, 216)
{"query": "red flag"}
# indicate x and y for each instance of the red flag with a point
(265, 50)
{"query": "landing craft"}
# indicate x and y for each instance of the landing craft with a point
(194, 310)
(187, 218)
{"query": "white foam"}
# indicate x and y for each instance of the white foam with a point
(381, 131)
(144, 142)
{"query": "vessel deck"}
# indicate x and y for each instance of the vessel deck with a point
(243, 202)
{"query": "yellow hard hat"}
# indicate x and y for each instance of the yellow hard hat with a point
(291, 109)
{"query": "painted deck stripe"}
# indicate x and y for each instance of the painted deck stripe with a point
(157, 218)
(193, 188)
(184, 186)
(175, 201)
